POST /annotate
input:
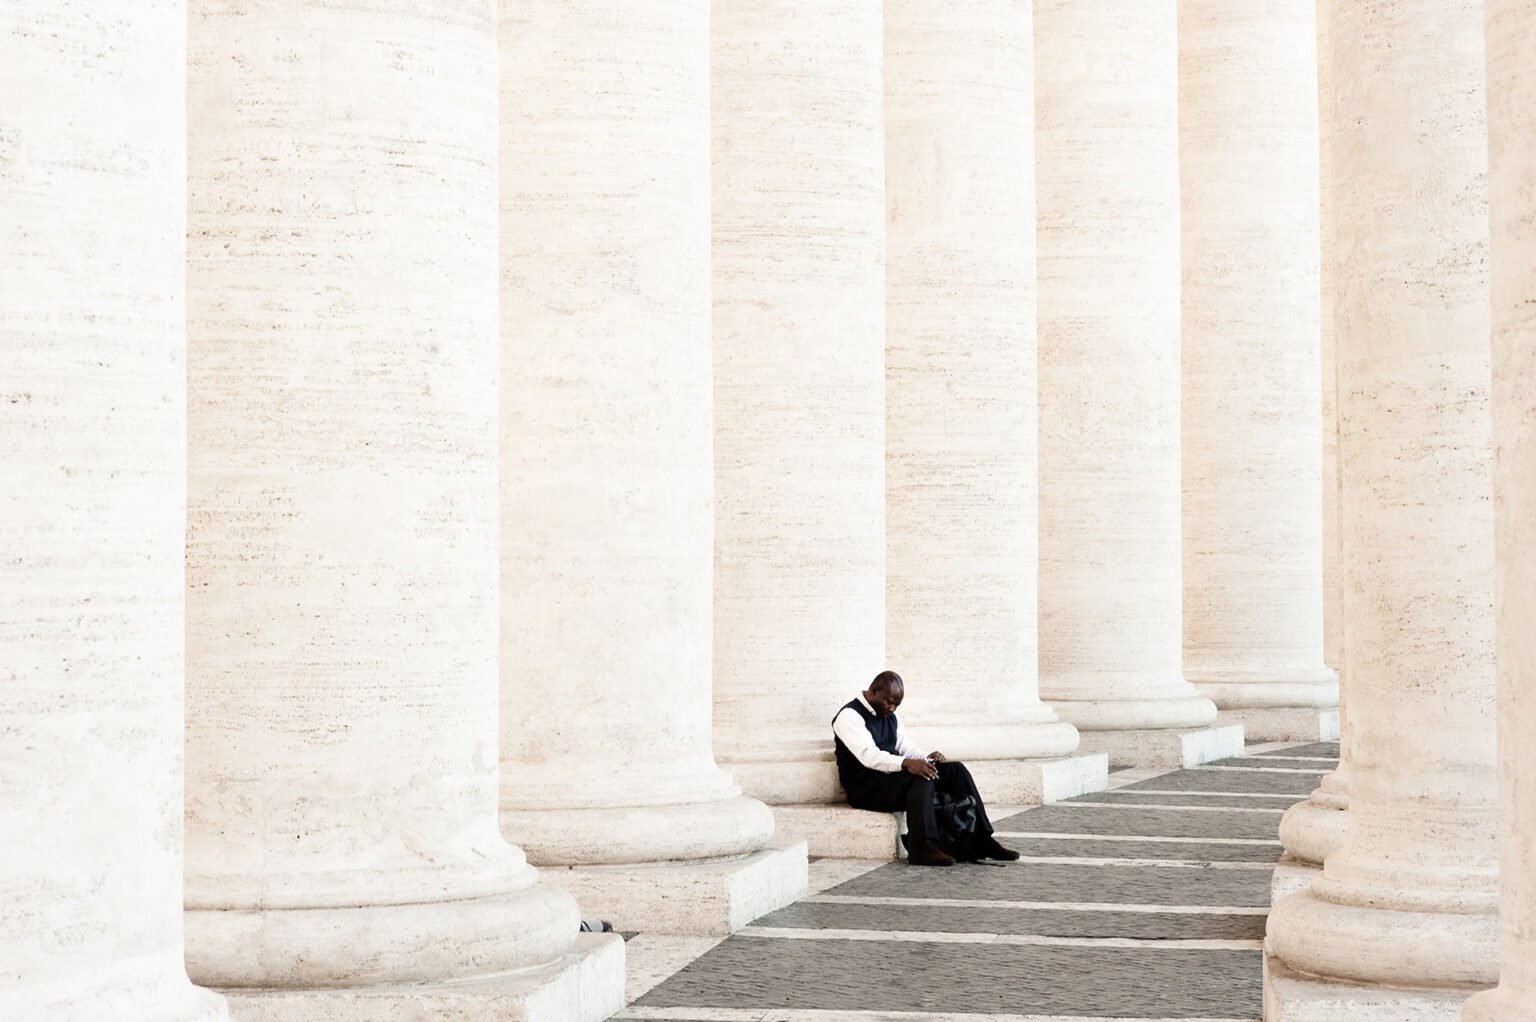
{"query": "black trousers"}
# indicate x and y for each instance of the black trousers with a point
(891, 793)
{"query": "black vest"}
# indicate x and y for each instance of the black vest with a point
(881, 729)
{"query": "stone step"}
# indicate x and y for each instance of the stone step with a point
(1171, 749)
(1285, 724)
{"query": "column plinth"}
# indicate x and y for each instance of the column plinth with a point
(607, 774)
(1406, 904)
(92, 480)
(343, 853)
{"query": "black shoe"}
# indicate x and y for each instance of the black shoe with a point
(929, 854)
(990, 849)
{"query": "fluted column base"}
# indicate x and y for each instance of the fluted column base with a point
(1290, 996)
(1275, 706)
(585, 984)
(1313, 830)
(1172, 749)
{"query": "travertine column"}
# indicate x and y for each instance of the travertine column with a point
(1409, 899)
(799, 321)
(606, 472)
(1250, 414)
(1312, 829)
(92, 413)
(1106, 79)
(1511, 47)
(961, 496)
(341, 560)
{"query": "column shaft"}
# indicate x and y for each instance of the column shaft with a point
(961, 495)
(606, 473)
(341, 557)
(1409, 898)
(92, 413)
(1108, 242)
(1511, 49)
(1252, 536)
(799, 319)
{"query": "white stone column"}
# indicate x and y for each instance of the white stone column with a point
(342, 529)
(606, 472)
(92, 413)
(1409, 899)
(799, 360)
(1250, 412)
(961, 493)
(1511, 49)
(1106, 81)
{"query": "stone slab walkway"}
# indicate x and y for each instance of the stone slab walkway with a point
(1143, 903)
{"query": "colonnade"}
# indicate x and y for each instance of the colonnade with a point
(580, 405)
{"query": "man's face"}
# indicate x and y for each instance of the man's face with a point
(885, 700)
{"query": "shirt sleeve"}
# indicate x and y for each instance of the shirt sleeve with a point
(907, 748)
(850, 730)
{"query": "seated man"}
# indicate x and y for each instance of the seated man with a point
(883, 771)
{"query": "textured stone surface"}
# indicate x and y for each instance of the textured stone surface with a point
(1511, 49)
(1287, 723)
(92, 458)
(1176, 851)
(1289, 997)
(960, 427)
(799, 353)
(842, 831)
(1333, 546)
(1168, 749)
(1051, 922)
(1272, 782)
(607, 480)
(1106, 85)
(1410, 897)
(1034, 881)
(342, 504)
(1250, 415)
(1322, 750)
(1143, 822)
(1154, 983)
(1249, 801)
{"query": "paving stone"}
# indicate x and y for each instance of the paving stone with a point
(1274, 763)
(1143, 823)
(1049, 922)
(1066, 881)
(1184, 851)
(1300, 785)
(1328, 749)
(1121, 796)
(748, 972)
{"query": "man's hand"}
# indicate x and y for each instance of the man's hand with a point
(938, 757)
(920, 767)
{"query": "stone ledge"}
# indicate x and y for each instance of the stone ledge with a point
(1028, 782)
(586, 984)
(1285, 724)
(842, 832)
(1175, 749)
(1291, 876)
(712, 897)
(1292, 997)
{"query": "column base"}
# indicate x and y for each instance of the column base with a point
(1172, 750)
(1293, 997)
(1503, 1004)
(711, 897)
(586, 984)
(1291, 876)
(842, 832)
(1312, 832)
(1284, 724)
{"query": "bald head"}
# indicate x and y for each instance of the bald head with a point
(885, 693)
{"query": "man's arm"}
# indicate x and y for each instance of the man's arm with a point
(850, 730)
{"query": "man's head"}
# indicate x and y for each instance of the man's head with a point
(885, 693)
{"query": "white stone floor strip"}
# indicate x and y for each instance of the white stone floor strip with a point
(650, 958)
(1065, 906)
(1120, 778)
(1213, 794)
(639, 1014)
(1139, 839)
(1211, 768)
(828, 873)
(1277, 810)
(1020, 939)
(1259, 748)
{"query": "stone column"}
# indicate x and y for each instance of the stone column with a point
(92, 413)
(1409, 899)
(342, 516)
(606, 474)
(1511, 48)
(1106, 81)
(1312, 829)
(961, 494)
(799, 361)
(1250, 414)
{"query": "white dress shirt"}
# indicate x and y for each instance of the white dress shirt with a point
(854, 733)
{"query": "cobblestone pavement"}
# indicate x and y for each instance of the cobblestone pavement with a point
(1146, 902)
